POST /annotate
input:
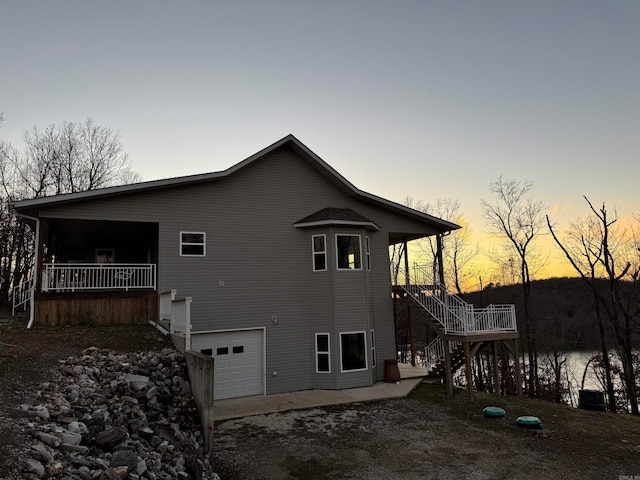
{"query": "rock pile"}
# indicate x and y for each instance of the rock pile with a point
(112, 416)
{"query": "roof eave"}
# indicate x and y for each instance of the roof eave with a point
(291, 140)
(346, 223)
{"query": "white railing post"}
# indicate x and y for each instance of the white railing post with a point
(187, 338)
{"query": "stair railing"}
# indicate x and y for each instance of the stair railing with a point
(451, 312)
(21, 295)
(434, 352)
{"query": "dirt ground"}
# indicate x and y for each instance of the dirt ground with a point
(427, 436)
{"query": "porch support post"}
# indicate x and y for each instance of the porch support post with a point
(440, 259)
(37, 267)
(447, 367)
(496, 373)
(516, 355)
(406, 262)
(43, 233)
(467, 364)
(412, 335)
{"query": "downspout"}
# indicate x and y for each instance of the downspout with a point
(32, 300)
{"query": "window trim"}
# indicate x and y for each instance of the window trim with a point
(366, 360)
(373, 348)
(338, 256)
(314, 253)
(367, 252)
(320, 352)
(203, 244)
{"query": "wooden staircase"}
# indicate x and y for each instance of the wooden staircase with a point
(457, 360)
(454, 321)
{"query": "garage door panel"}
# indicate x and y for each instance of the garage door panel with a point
(238, 361)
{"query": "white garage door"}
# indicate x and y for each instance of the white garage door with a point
(238, 368)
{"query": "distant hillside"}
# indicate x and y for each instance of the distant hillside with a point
(562, 309)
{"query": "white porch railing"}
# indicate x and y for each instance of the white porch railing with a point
(21, 295)
(60, 277)
(450, 311)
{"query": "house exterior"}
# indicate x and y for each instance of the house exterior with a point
(286, 263)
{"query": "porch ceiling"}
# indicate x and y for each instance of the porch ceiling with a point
(400, 237)
(74, 233)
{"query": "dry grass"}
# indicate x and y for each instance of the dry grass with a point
(575, 438)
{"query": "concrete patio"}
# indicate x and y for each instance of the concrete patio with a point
(263, 404)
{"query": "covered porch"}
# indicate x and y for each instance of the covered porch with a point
(95, 272)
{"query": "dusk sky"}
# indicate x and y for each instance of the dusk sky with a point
(429, 99)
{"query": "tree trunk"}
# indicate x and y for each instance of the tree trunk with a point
(611, 395)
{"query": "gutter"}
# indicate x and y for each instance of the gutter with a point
(35, 270)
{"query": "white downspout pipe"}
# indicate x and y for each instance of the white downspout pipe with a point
(32, 300)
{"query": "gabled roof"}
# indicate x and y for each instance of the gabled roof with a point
(289, 142)
(336, 216)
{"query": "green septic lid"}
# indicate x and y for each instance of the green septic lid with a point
(494, 412)
(529, 421)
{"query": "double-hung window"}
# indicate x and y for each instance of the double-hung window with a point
(348, 252)
(319, 253)
(323, 361)
(192, 244)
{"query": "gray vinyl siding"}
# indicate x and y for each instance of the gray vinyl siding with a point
(265, 263)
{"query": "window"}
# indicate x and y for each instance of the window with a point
(192, 244)
(348, 252)
(323, 362)
(368, 253)
(222, 351)
(239, 349)
(373, 349)
(319, 253)
(105, 255)
(353, 351)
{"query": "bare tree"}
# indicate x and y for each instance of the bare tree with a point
(459, 251)
(71, 157)
(66, 158)
(517, 217)
(598, 247)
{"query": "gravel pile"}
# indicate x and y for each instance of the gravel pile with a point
(111, 416)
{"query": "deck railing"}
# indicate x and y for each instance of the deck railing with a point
(74, 277)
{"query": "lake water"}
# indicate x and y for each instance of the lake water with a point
(574, 370)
